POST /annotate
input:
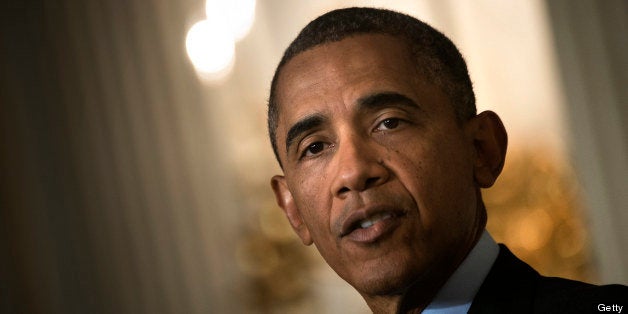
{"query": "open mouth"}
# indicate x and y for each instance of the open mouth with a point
(364, 227)
(368, 222)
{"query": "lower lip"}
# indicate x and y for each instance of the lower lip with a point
(374, 232)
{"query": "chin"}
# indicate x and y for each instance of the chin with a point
(382, 280)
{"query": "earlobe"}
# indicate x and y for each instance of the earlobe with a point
(491, 141)
(285, 200)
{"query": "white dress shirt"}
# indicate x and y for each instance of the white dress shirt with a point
(458, 292)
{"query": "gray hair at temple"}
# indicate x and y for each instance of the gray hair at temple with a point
(435, 55)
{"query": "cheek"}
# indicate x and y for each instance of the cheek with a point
(450, 196)
(433, 173)
(309, 187)
(314, 204)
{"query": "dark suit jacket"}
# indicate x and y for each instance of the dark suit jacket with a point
(514, 287)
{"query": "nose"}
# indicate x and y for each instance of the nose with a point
(359, 166)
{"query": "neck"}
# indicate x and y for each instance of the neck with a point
(418, 295)
(384, 304)
(412, 300)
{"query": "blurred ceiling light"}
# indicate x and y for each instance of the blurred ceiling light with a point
(211, 43)
(238, 15)
(210, 49)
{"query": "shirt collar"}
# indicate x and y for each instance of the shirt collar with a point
(458, 292)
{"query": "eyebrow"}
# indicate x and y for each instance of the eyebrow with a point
(384, 99)
(302, 126)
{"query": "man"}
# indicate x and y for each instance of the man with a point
(372, 118)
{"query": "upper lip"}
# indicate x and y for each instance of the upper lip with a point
(352, 222)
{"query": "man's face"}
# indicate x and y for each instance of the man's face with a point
(379, 174)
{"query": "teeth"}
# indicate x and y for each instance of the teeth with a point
(366, 224)
(372, 220)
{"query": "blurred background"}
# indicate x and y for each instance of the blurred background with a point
(135, 164)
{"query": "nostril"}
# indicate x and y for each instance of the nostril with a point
(343, 190)
(371, 182)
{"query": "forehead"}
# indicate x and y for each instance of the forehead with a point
(347, 61)
(338, 73)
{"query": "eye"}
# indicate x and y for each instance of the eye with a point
(388, 124)
(314, 149)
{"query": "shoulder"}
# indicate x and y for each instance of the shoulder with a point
(513, 286)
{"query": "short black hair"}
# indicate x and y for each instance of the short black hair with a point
(435, 55)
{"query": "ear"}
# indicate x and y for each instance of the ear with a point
(285, 200)
(490, 141)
